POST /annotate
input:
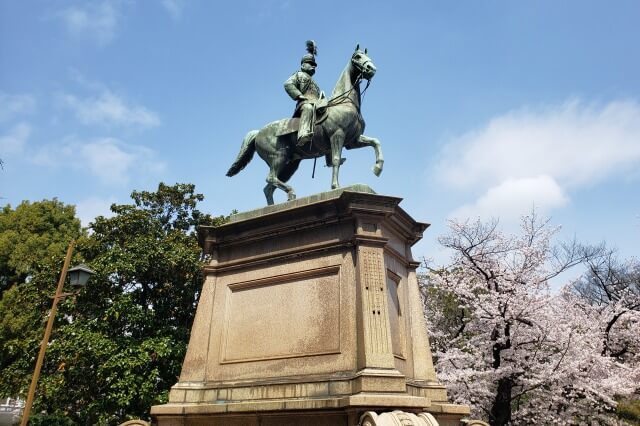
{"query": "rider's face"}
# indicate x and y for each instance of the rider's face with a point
(309, 68)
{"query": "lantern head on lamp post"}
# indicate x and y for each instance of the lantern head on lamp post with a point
(79, 275)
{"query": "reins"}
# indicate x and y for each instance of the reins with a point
(344, 96)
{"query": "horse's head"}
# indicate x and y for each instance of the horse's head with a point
(363, 64)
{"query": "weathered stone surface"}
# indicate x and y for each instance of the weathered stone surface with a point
(311, 306)
(396, 418)
(135, 423)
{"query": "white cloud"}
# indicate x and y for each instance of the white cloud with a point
(574, 143)
(537, 157)
(15, 105)
(174, 7)
(15, 140)
(98, 21)
(108, 108)
(514, 198)
(112, 161)
(107, 160)
(87, 210)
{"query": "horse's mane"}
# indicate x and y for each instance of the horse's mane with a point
(344, 81)
(344, 87)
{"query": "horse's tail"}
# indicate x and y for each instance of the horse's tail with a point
(246, 153)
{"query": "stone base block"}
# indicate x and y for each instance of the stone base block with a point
(310, 314)
(325, 411)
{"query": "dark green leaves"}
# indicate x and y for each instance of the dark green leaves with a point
(118, 346)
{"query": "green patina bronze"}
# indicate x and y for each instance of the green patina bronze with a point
(331, 125)
(303, 89)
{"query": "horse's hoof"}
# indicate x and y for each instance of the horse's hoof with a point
(377, 170)
(335, 186)
(291, 197)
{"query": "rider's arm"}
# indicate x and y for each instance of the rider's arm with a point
(291, 87)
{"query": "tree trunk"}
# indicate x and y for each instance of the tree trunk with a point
(501, 408)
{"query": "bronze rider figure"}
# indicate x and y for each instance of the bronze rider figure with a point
(304, 90)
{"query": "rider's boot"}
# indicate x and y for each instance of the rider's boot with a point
(305, 132)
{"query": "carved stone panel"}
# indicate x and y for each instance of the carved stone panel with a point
(283, 316)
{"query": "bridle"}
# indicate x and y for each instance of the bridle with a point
(344, 96)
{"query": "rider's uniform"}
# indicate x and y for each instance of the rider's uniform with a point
(302, 84)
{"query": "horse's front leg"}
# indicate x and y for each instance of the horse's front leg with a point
(377, 147)
(337, 142)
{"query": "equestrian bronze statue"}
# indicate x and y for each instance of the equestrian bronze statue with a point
(338, 124)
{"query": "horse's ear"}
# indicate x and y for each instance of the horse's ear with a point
(357, 47)
(365, 50)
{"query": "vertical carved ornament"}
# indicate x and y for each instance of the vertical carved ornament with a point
(375, 310)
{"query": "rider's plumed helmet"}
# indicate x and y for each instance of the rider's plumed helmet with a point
(309, 57)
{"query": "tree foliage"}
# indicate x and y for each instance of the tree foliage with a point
(33, 240)
(507, 345)
(612, 290)
(118, 346)
(32, 236)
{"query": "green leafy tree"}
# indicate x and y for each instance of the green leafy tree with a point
(33, 240)
(32, 237)
(119, 345)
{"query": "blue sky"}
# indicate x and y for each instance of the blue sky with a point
(483, 108)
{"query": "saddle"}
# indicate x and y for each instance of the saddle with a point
(291, 125)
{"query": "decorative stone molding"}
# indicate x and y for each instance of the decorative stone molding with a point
(397, 418)
(135, 423)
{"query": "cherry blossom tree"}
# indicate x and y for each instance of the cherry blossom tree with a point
(507, 345)
(611, 288)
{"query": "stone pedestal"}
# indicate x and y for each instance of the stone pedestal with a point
(310, 314)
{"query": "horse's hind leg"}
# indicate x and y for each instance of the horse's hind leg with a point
(273, 151)
(268, 192)
(273, 182)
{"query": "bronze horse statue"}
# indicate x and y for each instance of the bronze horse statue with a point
(342, 128)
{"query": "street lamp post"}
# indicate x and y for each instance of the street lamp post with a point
(78, 276)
